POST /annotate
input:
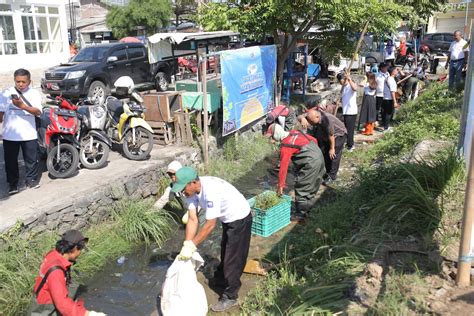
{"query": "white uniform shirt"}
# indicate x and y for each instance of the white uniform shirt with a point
(349, 100)
(219, 199)
(456, 49)
(381, 77)
(390, 86)
(368, 90)
(19, 125)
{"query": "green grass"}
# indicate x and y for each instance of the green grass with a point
(381, 205)
(238, 157)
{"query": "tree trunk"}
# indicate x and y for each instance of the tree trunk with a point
(283, 52)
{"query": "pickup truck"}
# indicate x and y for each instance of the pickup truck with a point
(93, 71)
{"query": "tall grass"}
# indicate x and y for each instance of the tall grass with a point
(138, 221)
(384, 203)
(239, 157)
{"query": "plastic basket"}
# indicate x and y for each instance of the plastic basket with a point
(265, 223)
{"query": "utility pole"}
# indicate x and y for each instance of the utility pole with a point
(204, 108)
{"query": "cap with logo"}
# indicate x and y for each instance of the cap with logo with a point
(184, 176)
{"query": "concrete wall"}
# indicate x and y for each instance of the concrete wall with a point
(97, 203)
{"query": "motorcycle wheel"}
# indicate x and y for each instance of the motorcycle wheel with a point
(67, 164)
(95, 158)
(143, 138)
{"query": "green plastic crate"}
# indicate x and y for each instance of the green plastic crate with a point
(265, 223)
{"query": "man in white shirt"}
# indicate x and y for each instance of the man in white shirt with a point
(349, 106)
(389, 97)
(220, 200)
(457, 60)
(19, 129)
(382, 75)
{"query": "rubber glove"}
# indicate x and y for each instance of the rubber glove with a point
(92, 313)
(163, 199)
(187, 250)
(185, 218)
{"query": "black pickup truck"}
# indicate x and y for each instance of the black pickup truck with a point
(93, 71)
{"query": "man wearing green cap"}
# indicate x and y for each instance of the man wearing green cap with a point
(220, 200)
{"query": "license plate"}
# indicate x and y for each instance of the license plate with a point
(52, 86)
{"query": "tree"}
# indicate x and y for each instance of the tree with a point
(183, 8)
(150, 14)
(290, 20)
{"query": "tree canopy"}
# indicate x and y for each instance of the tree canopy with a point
(150, 14)
(332, 22)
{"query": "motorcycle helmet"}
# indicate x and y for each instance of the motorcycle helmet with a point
(124, 85)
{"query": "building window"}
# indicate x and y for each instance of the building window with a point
(7, 36)
(41, 29)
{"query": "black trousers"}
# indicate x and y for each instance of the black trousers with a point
(332, 165)
(387, 112)
(235, 246)
(350, 123)
(378, 106)
(29, 149)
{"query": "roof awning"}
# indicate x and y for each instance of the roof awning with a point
(177, 38)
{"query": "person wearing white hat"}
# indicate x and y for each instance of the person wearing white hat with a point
(167, 196)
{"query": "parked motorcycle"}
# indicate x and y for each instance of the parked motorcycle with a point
(126, 123)
(95, 144)
(56, 136)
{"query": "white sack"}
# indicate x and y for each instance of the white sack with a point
(182, 294)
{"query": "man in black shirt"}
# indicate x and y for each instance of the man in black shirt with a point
(331, 135)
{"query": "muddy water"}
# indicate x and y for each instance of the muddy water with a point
(131, 287)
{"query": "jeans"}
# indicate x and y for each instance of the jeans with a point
(29, 149)
(350, 123)
(455, 72)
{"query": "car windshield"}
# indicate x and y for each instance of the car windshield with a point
(91, 54)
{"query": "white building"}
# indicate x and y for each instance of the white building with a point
(33, 34)
(459, 13)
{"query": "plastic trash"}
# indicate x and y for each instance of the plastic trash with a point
(121, 260)
(181, 293)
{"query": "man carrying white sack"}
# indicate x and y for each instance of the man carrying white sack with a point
(222, 201)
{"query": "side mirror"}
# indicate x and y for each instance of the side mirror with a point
(112, 59)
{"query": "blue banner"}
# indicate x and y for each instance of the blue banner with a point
(248, 82)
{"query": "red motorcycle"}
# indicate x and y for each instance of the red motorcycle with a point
(59, 126)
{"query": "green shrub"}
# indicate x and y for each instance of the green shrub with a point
(267, 200)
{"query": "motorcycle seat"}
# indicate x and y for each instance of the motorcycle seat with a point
(115, 107)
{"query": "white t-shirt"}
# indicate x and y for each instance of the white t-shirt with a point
(219, 199)
(381, 77)
(349, 100)
(456, 49)
(368, 90)
(390, 86)
(19, 125)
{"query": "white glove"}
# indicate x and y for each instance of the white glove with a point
(185, 218)
(187, 250)
(92, 313)
(163, 200)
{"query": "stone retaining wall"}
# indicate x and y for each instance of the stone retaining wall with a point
(96, 204)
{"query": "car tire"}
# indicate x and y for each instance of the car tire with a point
(98, 90)
(161, 81)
